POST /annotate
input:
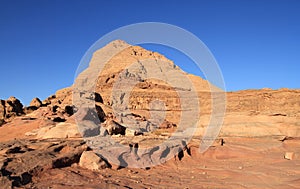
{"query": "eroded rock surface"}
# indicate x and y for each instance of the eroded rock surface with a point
(23, 159)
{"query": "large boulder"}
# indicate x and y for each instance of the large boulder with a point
(36, 102)
(13, 106)
(9, 109)
(91, 161)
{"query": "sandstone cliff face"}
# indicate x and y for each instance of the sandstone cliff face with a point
(283, 101)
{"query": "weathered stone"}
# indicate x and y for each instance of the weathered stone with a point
(61, 130)
(91, 161)
(2, 109)
(114, 128)
(14, 105)
(289, 155)
(36, 102)
(29, 109)
(10, 108)
(132, 132)
(26, 158)
(129, 132)
(166, 125)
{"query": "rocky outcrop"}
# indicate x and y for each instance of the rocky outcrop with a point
(36, 102)
(265, 101)
(2, 112)
(9, 109)
(13, 106)
(60, 130)
(24, 159)
(56, 108)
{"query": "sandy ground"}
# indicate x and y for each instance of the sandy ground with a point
(239, 163)
(242, 162)
(17, 129)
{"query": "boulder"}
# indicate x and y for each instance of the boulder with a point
(13, 107)
(36, 102)
(9, 109)
(289, 155)
(114, 128)
(91, 161)
(130, 132)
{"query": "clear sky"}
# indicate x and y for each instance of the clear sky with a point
(255, 42)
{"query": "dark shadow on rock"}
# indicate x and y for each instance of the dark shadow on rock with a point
(58, 119)
(105, 160)
(100, 113)
(98, 98)
(29, 109)
(180, 154)
(69, 110)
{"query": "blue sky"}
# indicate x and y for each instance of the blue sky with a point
(256, 43)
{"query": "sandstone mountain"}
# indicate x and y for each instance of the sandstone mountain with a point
(41, 145)
(119, 58)
(263, 109)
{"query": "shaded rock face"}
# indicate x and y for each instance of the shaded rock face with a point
(13, 106)
(114, 128)
(2, 112)
(9, 109)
